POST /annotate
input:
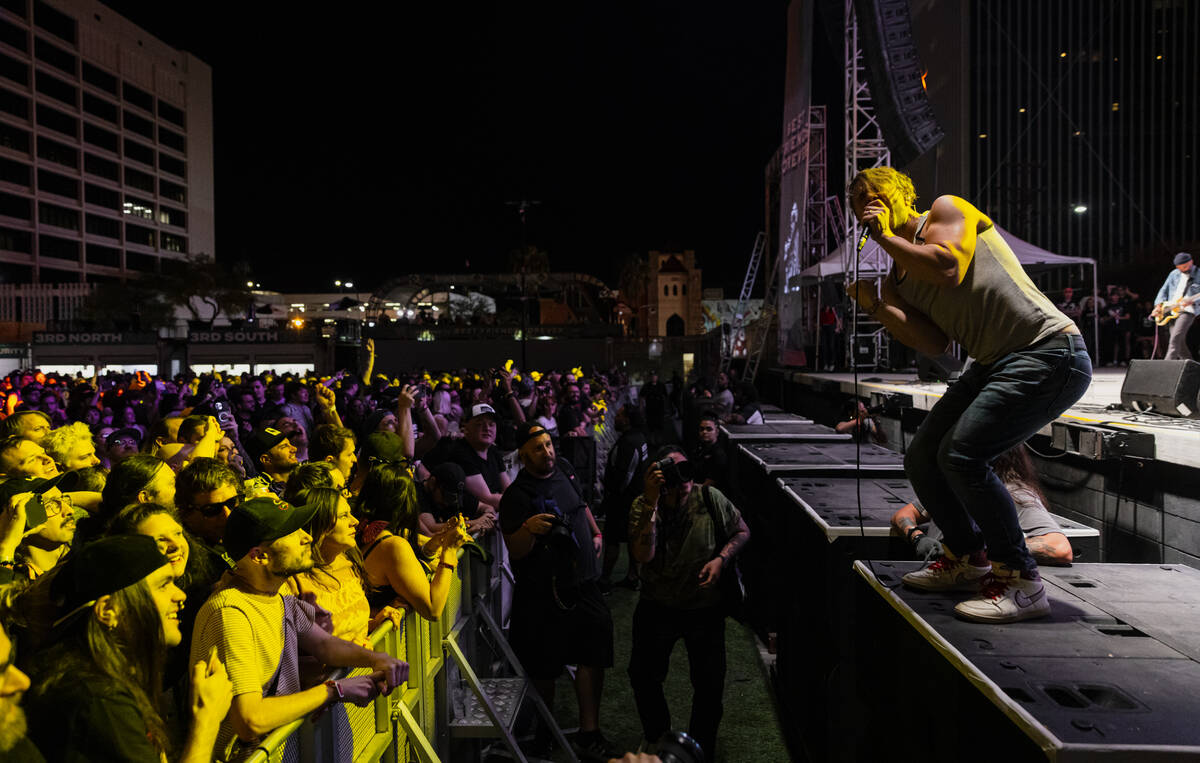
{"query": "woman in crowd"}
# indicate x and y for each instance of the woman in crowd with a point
(338, 581)
(393, 555)
(137, 479)
(96, 693)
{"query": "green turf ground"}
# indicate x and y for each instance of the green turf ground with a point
(750, 729)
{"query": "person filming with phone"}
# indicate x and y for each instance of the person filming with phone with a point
(685, 539)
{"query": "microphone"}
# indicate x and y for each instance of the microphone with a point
(862, 240)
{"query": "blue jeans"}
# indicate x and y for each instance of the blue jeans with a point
(989, 410)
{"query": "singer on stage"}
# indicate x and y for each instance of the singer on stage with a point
(954, 277)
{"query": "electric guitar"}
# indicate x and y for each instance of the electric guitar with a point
(1171, 310)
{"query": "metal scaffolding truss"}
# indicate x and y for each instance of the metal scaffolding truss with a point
(865, 145)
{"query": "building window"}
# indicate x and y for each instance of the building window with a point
(12, 240)
(685, 290)
(14, 36)
(102, 197)
(98, 254)
(172, 192)
(675, 290)
(174, 243)
(60, 153)
(101, 167)
(62, 248)
(61, 185)
(172, 165)
(96, 76)
(55, 56)
(142, 263)
(98, 107)
(98, 225)
(135, 234)
(60, 217)
(101, 138)
(168, 216)
(56, 120)
(140, 125)
(57, 89)
(172, 139)
(138, 152)
(139, 180)
(171, 114)
(54, 21)
(138, 97)
(17, 71)
(666, 290)
(11, 103)
(16, 173)
(138, 207)
(14, 138)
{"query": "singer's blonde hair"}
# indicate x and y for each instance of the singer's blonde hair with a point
(884, 180)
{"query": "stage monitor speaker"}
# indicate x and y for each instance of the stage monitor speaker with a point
(1168, 387)
(895, 78)
(942, 368)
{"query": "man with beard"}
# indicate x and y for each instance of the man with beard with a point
(274, 459)
(14, 745)
(258, 633)
(675, 530)
(49, 525)
(559, 616)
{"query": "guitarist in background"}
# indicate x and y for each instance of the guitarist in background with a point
(1174, 303)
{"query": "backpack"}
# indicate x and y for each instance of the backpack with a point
(733, 591)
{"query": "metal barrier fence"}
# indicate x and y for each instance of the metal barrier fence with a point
(411, 723)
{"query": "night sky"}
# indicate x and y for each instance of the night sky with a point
(388, 139)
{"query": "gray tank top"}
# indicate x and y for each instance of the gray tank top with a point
(996, 309)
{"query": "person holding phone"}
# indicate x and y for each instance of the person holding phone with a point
(37, 527)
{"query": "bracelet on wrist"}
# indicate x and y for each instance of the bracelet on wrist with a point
(337, 689)
(909, 535)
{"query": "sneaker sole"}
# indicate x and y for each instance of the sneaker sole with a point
(1032, 613)
(965, 585)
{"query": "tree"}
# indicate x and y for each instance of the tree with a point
(205, 288)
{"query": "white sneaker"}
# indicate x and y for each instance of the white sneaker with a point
(947, 573)
(1006, 597)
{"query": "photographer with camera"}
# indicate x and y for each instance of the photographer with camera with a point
(559, 616)
(675, 533)
(860, 423)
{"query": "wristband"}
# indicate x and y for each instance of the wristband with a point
(447, 566)
(337, 689)
(909, 535)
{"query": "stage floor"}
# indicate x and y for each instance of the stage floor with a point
(1176, 439)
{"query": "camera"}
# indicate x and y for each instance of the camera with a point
(678, 747)
(674, 472)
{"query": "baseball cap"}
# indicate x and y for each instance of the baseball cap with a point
(100, 568)
(527, 431)
(482, 409)
(452, 480)
(262, 520)
(262, 440)
(112, 438)
(1182, 257)
(382, 446)
(35, 514)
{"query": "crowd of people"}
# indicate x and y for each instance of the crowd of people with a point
(184, 561)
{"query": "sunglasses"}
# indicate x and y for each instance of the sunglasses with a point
(210, 510)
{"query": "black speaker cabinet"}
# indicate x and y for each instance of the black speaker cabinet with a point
(942, 368)
(1168, 387)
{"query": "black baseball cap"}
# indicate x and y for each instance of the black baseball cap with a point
(262, 520)
(529, 430)
(452, 480)
(1182, 257)
(262, 440)
(100, 568)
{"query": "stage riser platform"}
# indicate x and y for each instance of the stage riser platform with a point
(1111, 674)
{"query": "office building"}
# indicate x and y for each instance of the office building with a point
(106, 162)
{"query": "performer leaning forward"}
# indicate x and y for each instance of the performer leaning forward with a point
(954, 277)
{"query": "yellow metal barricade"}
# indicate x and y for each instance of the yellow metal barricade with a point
(393, 728)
